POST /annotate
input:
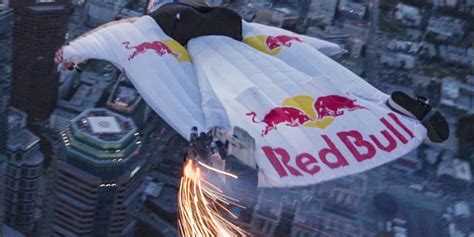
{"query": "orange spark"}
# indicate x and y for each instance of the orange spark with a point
(202, 204)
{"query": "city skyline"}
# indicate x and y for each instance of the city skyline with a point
(82, 154)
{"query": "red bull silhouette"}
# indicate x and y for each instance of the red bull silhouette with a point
(334, 106)
(290, 116)
(158, 47)
(274, 42)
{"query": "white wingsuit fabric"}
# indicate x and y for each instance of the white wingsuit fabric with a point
(314, 61)
(169, 86)
(312, 119)
(245, 80)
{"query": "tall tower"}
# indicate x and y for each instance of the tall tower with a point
(6, 20)
(23, 174)
(3, 148)
(97, 176)
(39, 29)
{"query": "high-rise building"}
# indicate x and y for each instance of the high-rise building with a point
(39, 29)
(301, 6)
(6, 20)
(465, 132)
(2, 190)
(3, 124)
(97, 176)
(100, 12)
(3, 150)
(23, 174)
(126, 100)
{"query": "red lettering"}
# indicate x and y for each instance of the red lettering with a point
(359, 142)
(394, 131)
(341, 161)
(392, 144)
(397, 120)
(272, 153)
(304, 162)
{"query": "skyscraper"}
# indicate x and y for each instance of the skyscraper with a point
(301, 6)
(3, 149)
(465, 132)
(23, 174)
(39, 29)
(6, 19)
(23, 170)
(100, 12)
(97, 176)
(3, 123)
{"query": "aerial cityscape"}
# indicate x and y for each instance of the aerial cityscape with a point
(83, 154)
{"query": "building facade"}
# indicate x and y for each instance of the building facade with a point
(126, 100)
(39, 29)
(24, 166)
(99, 12)
(97, 176)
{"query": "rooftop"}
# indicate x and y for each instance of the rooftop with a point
(153, 189)
(63, 114)
(48, 7)
(23, 140)
(456, 168)
(86, 96)
(10, 232)
(408, 15)
(353, 8)
(455, 93)
(103, 125)
(102, 135)
(269, 203)
(404, 46)
(124, 97)
(407, 9)
(15, 115)
(323, 8)
(167, 199)
(5, 11)
(447, 26)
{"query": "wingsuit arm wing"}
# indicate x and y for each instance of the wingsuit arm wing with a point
(328, 48)
(93, 44)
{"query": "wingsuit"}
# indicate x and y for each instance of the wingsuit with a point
(308, 116)
(183, 22)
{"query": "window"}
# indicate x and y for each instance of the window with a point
(31, 184)
(18, 157)
(45, 1)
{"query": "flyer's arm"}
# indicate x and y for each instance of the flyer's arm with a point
(328, 48)
(91, 45)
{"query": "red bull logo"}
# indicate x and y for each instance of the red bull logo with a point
(271, 44)
(289, 116)
(306, 111)
(274, 42)
(161, 48)
(334, 105)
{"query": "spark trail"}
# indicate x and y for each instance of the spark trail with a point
(202, 205)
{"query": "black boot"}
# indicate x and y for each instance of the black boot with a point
(432, 119)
